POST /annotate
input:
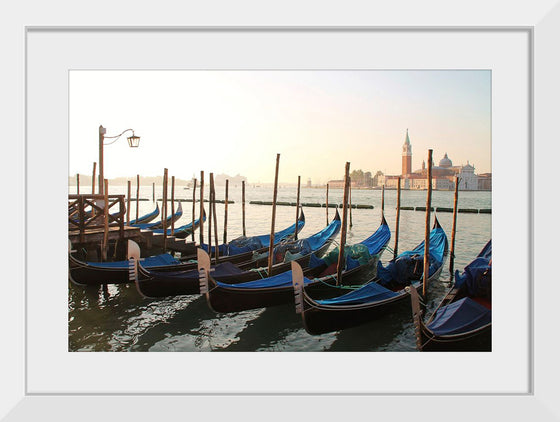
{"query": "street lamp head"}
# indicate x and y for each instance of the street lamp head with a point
(133, 141)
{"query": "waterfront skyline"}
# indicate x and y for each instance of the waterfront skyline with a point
(235, 122)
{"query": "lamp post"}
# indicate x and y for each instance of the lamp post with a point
(133, 142)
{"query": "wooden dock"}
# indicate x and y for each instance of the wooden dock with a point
(92, 227)
(95, 235)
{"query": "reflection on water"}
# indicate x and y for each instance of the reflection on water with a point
(116, 318)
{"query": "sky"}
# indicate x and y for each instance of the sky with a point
(235, 122)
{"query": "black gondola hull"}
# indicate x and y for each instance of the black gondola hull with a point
(231, 299)
(321, 321)
(478, 341)
(83, 274)
(235, 300)
(92, 276)
(163, 286)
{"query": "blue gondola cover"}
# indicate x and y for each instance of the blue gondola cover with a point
(151, 261)
(459, 317)
(477, 276)
(371, 292)
(404, 268)
(223, 269)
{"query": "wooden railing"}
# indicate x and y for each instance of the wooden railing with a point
(87, 212)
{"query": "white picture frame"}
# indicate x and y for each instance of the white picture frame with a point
(539, 21)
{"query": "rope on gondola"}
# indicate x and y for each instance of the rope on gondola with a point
(260, 271)
(388, 249)
(333, 277)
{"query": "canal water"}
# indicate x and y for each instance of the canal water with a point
(117, 318)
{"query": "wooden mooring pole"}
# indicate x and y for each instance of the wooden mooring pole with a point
(341, 260)
(93, 178)
(454, 227)
(210, 215)
(194, 209)
(427, 231)
(216, 241)
(101, 176)
(172, 205)
(201, 234)
(396, 248)
(164, 206)
(154, 192)
(137, 196)
(78, 183)
(128, 183)
(297, 206)
(327, 205)
(383, 197)
(271, 246)
(105, 220)
(350, 197)
(226, 211)
(243, 206)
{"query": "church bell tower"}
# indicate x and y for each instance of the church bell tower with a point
(406, 156)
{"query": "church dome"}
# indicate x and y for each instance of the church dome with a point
(445, 161)
(469, 167)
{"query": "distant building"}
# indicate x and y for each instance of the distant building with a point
(335, 184)
(308, 183)
(485, 181)
(443, 175)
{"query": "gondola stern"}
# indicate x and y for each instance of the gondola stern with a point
(301, 220)
(383, 220)
(301, 214)
(71, 277)
(336, 215)
(436, 223)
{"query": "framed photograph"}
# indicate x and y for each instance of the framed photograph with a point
(515, 379)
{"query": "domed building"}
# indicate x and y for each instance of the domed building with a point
(443, 175)
(445, 162)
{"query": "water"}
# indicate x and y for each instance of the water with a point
(117, 318)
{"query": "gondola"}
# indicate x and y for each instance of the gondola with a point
(141, 220)
(96, 273)
(260, 243)
(463, 319)
(146, 218)
(183, 231)
(160, 284)
(277, 289)
(158, 225)
(390, 288)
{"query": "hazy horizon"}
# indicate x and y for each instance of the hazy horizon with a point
(234, 122)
